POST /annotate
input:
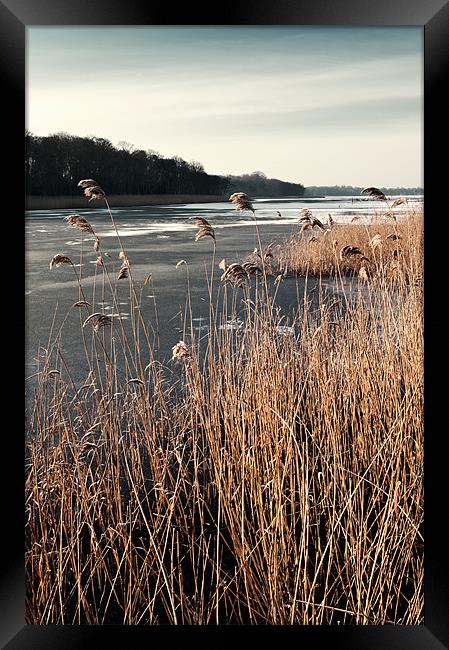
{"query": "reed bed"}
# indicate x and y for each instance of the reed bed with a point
(385, 246)
(270, 473)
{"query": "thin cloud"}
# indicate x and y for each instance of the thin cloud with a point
(205, 92)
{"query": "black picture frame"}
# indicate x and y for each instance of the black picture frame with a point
(433, 16)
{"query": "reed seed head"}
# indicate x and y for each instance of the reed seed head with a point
(80, 223)
(87, 182)
(363, 273)
(94, 192)
(399, 201)
(305, 215)
(82, 303)
(251, 268)
(124, 271)
(375, 242)
(236, 274)
(316, 222)
(205, 231)
(241, 201)
(199, 221)
(349, 251)
(99, 321)
(181, 352)
(60, 260)
(375, 193)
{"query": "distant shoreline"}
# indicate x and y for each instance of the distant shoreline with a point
(118, 200)
(124, 200)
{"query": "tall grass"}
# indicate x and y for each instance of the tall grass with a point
(270, 473)
(388, 249)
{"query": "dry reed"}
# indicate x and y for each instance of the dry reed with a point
(278, 483)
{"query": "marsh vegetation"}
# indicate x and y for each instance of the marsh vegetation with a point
(270, 473)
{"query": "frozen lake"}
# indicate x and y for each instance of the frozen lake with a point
(156, 238)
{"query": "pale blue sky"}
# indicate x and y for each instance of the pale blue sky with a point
(317, 105)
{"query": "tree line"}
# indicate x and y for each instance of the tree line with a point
(351, 190)
(257, 184)
(55, 163)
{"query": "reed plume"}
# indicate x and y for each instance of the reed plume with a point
(309, 221)
(181, 352)
(80, 223)
(316, 222)
(251, 268)
(399, 201)
(91, 189)
(305, 215)
(349, 251)
(87, 182)
(241, 202)
(82, 303)
(235, 273)
(200, 221)
(99, 321)
(375, 193)
(60, 260)
(94, 193)
(123, 271)
(375, 242)
(363, 273)
(204, 231)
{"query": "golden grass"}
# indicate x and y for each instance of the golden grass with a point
(381, 244)
(272, 474)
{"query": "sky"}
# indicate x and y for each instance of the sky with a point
(314, 105)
